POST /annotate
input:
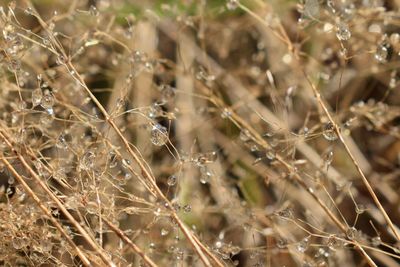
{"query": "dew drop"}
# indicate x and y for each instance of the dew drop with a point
(329, 132)
(14, 65)
(61, 60)
(21, 105)
(46, 40)
(270, 154)
(343, 52)
(187, 208)
(204, 158)
(18, 243)
(285, 213)
(11, 180)
(226, 113)
(331, 6)
(92, 207)
(392, 83)
(232, 4)
(333, 242)
(51, 26)
(61, 142)
(311, 8)
(376, 241)
(394, 38)
(302, 246)
(46, 245)
(47, 100)
(244, 135)
(164, 232)
(9, 191)
(159, 135)
(149, 66)
(50, 111)
(342, 32)
(55, 212)
(257, 160)
(171, 181)
(126, 163)
(205, 175)
(120, 104)
(37, 95)
(138, 57)
(167, 93)
(254, 148)
(28, 11)
(90, 42)
(273, 141)
(381, 53)
(281, 243)
(352, 233)
(155, 110)
(87, 161)
(46, 119)
(127, 176)
(93, 11)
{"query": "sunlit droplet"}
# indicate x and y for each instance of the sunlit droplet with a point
(232, 4)
(93, 11)
(205, 175)
(171, 181)
(226, 113)
(37, 95)
(164, 232)
(61, 142)
(376, 241)
(381, 53)
(302, 246)
(352, 233)
(167, 93)
(187, 208)
(87, 161)
(342, 32)
(47, 100)
(245, 135)
(270, 154)
(159, 135)
(329, 132)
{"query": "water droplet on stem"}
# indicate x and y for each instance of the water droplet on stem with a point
(159, 135)
(329, 132)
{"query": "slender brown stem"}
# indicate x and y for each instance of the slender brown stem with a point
(59, 204)
(197, 245)
(363, 177)
(46, 211)
(130, 243)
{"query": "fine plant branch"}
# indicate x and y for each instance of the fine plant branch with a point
(200, 249)
(363, 177)
(59, 204)
(46, 211)
(158, 134)
(132, 245)
(244, 125)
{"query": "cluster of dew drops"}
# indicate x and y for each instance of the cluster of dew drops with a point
(159, 135)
